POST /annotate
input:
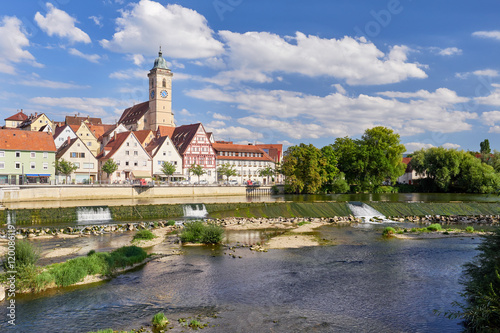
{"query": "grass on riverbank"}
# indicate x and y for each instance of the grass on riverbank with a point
(34, 278)
(436, 227)
(143, 234)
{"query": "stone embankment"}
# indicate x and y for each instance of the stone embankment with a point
(451, 219)
(279, 222)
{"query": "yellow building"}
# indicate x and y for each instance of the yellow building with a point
(87, 136)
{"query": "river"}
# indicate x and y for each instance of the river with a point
(362, 283)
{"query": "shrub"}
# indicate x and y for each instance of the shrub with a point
(434, 227)
(126, 256)
(197, 231)
(302, 223)
(469, 229)
(143, 234)
(171, 223)
(195, 324)
(25, 254)
(212, 234)
(91, 252)
(160, 320)
(388, 231)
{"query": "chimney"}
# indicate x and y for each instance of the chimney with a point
(21, 110)
(36, 114)
(69, 139)
(114, 136)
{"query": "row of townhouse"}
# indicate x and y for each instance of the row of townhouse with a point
(29, 156)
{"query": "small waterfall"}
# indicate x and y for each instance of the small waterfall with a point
(93, 214)
(195, 211)
(367, 213)
(11, 217)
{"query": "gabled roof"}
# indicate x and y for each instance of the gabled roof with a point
(165, 131)
(67, 145)
(99, 130)
(31, 118)
(183, 135)
(154, 144)
(407, 160)
(60, 129)
(275, 151)
(113, 145)
(26, 140)
(134, 113)
(75, 120)
(20, 116)
(142, 135)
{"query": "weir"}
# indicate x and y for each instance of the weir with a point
(93, 214)
(366, 212)
(195, 211)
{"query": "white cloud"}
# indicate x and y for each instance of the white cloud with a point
(233, 133)
(450, 145)
(138, 59)
(490, 117)
(94, 106)
(340, 89)
(450, 51)
(300, 115)
(13, 40)
(486, 72)
(285, 143)
(495, 34)
(494, 129)
(216, 124)
(414, 146)
(148, 24)
(90, 57)
(97, 20)
(129, 74)
(36, 82)
(60, 23)
(492, 99)
(252, 56)
(185, 113)
(220, 116)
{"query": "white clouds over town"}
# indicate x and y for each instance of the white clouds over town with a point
(59, 23)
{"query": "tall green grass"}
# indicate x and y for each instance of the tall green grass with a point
(199, 232)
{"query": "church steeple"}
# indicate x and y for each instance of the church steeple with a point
(160, 95)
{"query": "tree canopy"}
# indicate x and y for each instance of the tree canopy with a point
(109, 167)
(65, 167)
(168, 169)
(227, 170)
(197, 170)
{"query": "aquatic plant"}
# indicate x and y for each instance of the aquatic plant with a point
(143, 234)
(171, 223)
(469, 229)
(434, 227)
(388, 231)
(159, 320)
(199, 232)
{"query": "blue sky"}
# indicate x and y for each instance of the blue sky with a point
(265, 71)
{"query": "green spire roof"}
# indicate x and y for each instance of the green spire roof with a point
(160, 62)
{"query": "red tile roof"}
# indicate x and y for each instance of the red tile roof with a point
(113, 145)
(155, 143)
(134, 113)
(165, 131)
(230, 147)
(20, 116)
(142, 135)
(75, 120)
(26, 140)
(183, 135)
(99, 130)
(275, 151)
(407, 160)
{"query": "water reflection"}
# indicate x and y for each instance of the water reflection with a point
(362, 283)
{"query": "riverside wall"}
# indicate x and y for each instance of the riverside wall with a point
(101, 192)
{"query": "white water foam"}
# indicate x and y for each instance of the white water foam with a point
(195, 211)
(367, 213)
(87, 214)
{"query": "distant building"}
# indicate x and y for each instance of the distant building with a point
(36, 122)
(77, 120)
(62, 134)
(16, 120)
(127, 152)
(76, 152)
(162, 150)
(26, 157)
(158, 110)
(84, 132)
(410, 177)
(247, 160)
(193, 144)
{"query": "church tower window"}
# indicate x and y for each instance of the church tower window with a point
(164, 83)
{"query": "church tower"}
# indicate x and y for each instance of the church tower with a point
(160, 95)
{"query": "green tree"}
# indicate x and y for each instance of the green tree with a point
(197, 170)
(439, 165)
(331, 172)
(485, 147)
(349, 159)
(168, 169)
(303, 168)
(227, 170)
(267, 172)
(109, 167)
(65, 167)
(476, 177)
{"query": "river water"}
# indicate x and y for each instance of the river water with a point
(362, 283)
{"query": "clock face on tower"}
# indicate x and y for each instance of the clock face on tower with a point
(164, 93)
(152, 94)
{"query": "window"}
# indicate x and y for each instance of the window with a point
(136, 163)
(40, 121)
(160, 162)
(209, 173)
(32, 154)
(175, 162)
(2, 165)
(136, 153)
(118, 174)
(169, 153)
(32, 165)
(144, 163)
(88, 165)
(73, 155)
(77, 164)
(164, 153)
(89, 143)
(45, 154)
(61, 139)
(2, 154)
(87, 134)
(18, 165)
(127, 152)
(128, 144)
(126, 163)
(117, 162)
(45, 166)
(164, 83)
(135, 144)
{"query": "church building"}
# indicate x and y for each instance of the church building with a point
(158, 110)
